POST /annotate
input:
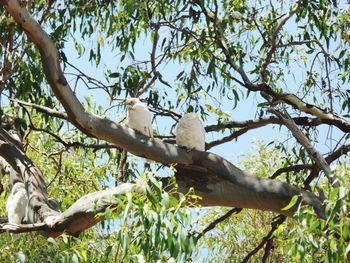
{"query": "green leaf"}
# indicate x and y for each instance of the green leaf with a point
(292, 202)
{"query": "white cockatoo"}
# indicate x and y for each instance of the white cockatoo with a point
(16, 204)
(139, 117)
(190, 132)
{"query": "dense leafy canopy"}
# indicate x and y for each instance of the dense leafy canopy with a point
(220, 59)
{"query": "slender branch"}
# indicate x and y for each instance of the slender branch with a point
(268, 248)
(274, 225)
(298, 43)
(294, 168)
(274, 36)
(213, 224)
(301, 138)
(225, 139)
(344, 149)
(43, 109)
(252, 124)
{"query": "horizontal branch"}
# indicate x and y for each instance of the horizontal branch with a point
(253, 124)
(294, 168)
(78, 217)
(43, 109)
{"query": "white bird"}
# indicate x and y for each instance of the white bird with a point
(190, 132)
(16, 204)
(139, 117)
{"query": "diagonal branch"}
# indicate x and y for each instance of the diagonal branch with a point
(213, 224)
(273, 41)
(225, 139)
(301, 138)
(344, 149)
(274, 225)
(324, 116)
(222, 42)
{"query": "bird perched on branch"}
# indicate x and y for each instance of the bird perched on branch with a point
(190, 132)
(16, 204)
(139, 117)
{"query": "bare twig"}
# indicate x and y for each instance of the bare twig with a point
(43, 109)
(213, 224)
(294, 168)
(225, 139)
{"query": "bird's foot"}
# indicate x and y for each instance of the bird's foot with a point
(185, 148)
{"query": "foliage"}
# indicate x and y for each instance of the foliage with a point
(303, 239)
(182, 56)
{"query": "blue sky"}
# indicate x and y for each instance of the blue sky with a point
(246, 108)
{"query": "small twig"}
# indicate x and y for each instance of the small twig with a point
(294, 168)
(59, 167)
(42, 109)
(225, 139)
(213, 224)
